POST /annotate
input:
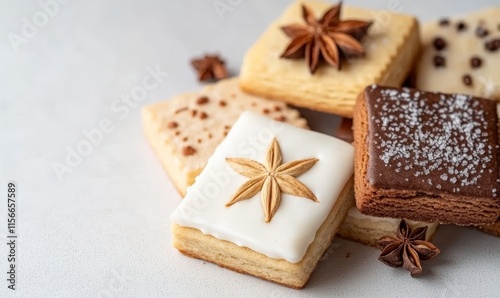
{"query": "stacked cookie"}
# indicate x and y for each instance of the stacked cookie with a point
(264, 195)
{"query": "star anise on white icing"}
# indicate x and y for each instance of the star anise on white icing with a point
(271, 179)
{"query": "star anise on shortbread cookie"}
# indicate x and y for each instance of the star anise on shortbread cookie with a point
(327, 37)
(271, 179)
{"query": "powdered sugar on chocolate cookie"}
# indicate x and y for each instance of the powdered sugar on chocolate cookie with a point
(433, 142)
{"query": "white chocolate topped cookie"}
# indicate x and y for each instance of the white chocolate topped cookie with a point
(462, 55)
(244, 223)
(272, 190)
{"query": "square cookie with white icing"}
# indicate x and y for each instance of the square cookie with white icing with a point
(427, 156)
(269, 201)
(320, 55)
(185, 130)
(462, 55)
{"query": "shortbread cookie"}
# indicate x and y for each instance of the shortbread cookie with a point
(493, 229)
(427, 156)
(462, 55)
(368, 229)
(263, 208)
(391, 47)
(185, 130)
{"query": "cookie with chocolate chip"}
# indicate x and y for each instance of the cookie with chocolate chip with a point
(461, 55)
(185, 130)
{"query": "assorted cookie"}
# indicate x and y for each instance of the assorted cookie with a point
(427, 156)
(462, 55)
(185, 130)
(325, 71)
(265, 196)
(240, 211)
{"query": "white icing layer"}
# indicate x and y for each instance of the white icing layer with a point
(296, 221)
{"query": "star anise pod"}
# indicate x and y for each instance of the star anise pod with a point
(407, 249)
(271, 179)
(210, 67)
(328, 38)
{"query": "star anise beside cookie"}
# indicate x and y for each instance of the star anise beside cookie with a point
(327, 38)
(407, 249)
(210, 67)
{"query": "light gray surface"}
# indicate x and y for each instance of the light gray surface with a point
(103, 228)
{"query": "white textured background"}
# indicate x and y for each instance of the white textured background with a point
(103, 229)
